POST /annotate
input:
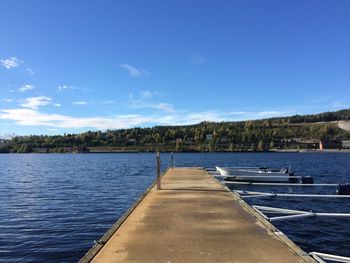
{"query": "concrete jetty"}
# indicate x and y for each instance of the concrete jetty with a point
(193, 218)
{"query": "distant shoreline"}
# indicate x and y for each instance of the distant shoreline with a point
(96, 151)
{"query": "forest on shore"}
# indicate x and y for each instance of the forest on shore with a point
(294, 132)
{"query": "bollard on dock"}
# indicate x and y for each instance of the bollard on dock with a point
(158, 171)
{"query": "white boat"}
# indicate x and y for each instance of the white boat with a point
(257, 174)
(250, 171)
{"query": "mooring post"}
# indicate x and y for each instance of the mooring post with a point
(171, 160)
(158, 171)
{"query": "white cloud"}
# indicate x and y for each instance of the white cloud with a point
(197, 117)
(25, 88)
(197, 60)
(8, 136)
(165, 114)
(237, 112)
(30, 71)
(139, 104)
(107, 101)
(253, 115)
(79, 103)
(12, 62)
(134, 72)
(35, 102)
(62, 88)
(7, 100)
(65, 87)
(339, 105)
(268, 114)
(30, 117)
(146, 94)
(162, 106)
(189, 117)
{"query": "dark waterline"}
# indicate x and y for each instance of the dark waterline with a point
(53, 206)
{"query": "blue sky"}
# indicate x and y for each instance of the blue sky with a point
(71, 66)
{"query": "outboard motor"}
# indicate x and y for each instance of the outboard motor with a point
(307, 180)
(343, 189)
(293, 180)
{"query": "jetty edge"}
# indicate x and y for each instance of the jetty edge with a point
(193, 218)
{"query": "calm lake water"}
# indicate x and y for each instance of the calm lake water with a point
(53, 206)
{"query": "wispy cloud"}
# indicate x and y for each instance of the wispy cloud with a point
(187, 118)
(338, 104)
(7, 100)
(134, 72)
(79, 103)
(139, 104)
(30, 71)
(268, 114)
(107, 101)
(65, 87)
(7, 136)
(146, 94)
(57, 105)
(253, 115)
(183, 117)
(62, 88)
(197, 60)
(35, 102)
(11, 62)
(26, 88)
(30, 117)
(196, 117)
(237, 112)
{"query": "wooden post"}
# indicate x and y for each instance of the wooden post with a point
(158, 171)
(171, 160)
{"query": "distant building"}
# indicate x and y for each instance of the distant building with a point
(309, 143)
(345, 144)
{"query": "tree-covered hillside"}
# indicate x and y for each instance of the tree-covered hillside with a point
(275, 133)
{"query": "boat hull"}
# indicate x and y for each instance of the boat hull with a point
(264, 179)
(251, 174)
(249, 171)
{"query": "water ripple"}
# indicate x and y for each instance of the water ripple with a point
(53, 206)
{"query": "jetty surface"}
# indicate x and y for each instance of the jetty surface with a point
(193, 218)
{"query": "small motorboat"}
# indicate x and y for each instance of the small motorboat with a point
(251, 171)
(258, 174)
